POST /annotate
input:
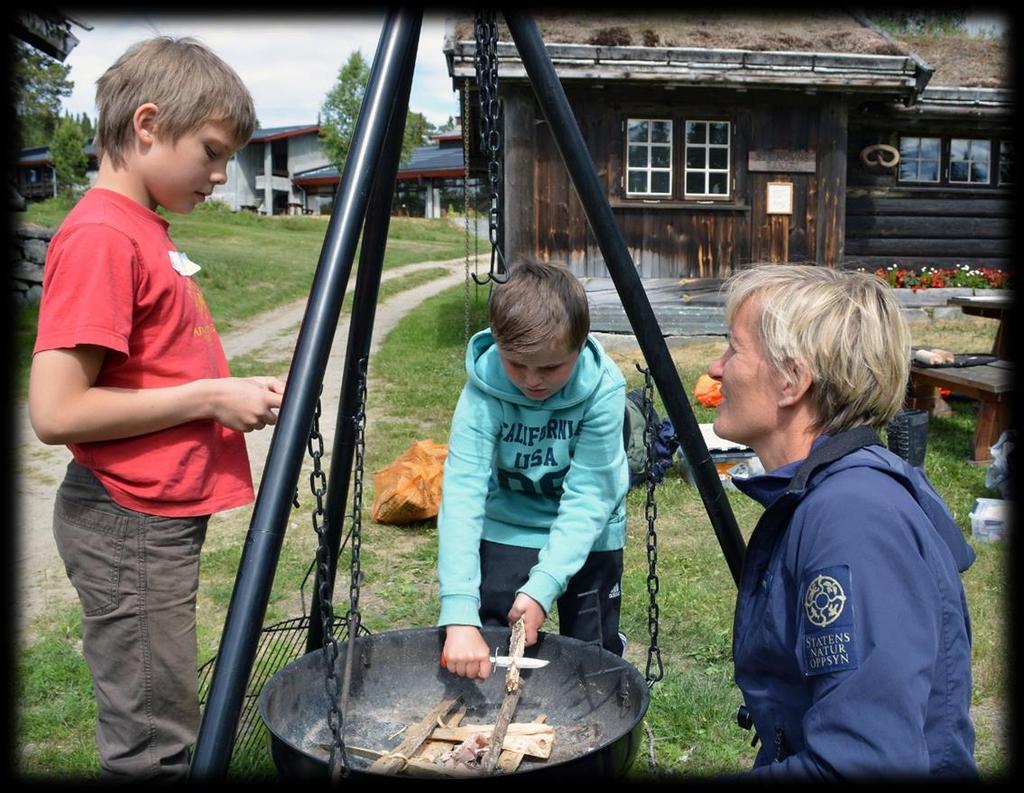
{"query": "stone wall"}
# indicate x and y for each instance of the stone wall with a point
(28, 254)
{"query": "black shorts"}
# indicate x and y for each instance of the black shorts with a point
(505, 568)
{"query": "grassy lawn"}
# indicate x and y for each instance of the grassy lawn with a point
(417, 375)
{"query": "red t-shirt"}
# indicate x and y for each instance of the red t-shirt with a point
(109, 281)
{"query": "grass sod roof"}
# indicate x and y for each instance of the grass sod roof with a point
(958, 60)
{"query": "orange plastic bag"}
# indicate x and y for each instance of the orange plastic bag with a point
(409, 489)
(708, 391)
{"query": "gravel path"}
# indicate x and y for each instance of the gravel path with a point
(42, 583)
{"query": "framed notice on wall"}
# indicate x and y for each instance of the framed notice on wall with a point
(780, 198)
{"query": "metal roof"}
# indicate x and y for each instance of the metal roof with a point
(429, 160)
(275, 133)
(40, 155)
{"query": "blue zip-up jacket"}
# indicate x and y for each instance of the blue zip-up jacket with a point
(548, 474)
(852, 639)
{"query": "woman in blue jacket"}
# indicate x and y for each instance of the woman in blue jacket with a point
(851, 640)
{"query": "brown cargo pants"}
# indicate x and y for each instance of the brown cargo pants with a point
(136, 576)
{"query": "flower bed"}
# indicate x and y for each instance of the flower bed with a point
(935, 278)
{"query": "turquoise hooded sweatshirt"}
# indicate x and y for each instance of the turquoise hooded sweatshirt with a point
(548, 474)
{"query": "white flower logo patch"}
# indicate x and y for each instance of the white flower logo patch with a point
(824, 601)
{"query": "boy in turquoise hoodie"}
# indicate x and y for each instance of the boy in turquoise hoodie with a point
(533, 504)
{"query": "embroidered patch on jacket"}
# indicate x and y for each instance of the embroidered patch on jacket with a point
(829, 643)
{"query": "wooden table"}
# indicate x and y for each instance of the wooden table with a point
(994, 307)
(991, 384)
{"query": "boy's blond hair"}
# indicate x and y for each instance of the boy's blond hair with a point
(189, 84)
(541, 302)
(844, 326)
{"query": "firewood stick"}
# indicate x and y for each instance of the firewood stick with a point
(461, 733)
(397, 758)
(508, 761)
(508, 706)
(432, 748)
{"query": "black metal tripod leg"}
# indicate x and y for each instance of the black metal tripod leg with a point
(273, 503)
(360, 332)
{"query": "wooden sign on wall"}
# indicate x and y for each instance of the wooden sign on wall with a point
(782, 161)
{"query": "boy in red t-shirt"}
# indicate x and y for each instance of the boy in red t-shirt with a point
(129, 372)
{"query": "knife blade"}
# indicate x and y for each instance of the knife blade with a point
(522, 663)
(506, 660)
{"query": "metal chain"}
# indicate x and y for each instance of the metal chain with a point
(465, 204)
(355, 538)
(337, 763)
(486, 62)
(651, 515)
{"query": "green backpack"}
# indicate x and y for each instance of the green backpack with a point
(633, 435)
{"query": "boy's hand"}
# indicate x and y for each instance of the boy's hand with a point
(248, 403)
(533, 616)
(466, 653)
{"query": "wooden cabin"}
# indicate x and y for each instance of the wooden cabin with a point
(724, 140)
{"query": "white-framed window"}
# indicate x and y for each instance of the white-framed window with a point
(1006, 162)
(920, 159)
(969, 161)
(649, 157)
(706, 159)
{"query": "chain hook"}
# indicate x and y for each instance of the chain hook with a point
(485, 61)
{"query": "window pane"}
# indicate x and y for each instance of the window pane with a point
(718, 158)
(637, 182)
(661, 156)
(696, 131)
(695, 157)
(661, 131)
(930, 148)
(929, 171)
(719, 132)
(981, 151)
(909, 147)
(695, 183)
(659, 182)
(908, 170)
(638, 156)
(979, 172)
(637, 130)
(958, 171)
(958, 149)
(717, 184)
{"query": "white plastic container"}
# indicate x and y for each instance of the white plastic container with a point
(990, 519)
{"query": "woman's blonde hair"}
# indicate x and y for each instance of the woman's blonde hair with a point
(844, 326)
(541, 302)
(189, 84)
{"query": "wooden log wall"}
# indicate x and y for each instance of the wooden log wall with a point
(943, 226)
(674, 238)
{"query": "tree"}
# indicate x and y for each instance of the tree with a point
(340, 112)
(417, 133)
(341, 109)
(69, 160)
(40, 83)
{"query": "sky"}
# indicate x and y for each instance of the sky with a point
(288, 63)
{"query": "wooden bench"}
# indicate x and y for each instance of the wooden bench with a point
(991, 384)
